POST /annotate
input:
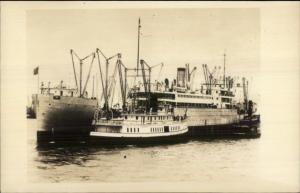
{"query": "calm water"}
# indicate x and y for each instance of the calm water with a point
(196, 160)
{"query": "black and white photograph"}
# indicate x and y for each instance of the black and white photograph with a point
(155, 97)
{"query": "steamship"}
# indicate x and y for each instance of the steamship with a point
(218, 107)
(63, 112)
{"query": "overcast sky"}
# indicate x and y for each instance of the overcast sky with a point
(171, 36)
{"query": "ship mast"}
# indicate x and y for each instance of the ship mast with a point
(245, 90)
(224, 81)
(93, 86)
(138, 48)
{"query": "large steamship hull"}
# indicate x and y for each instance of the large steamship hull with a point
(218, 123)
(64, 117)
(208, 116)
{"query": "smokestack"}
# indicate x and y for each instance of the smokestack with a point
(181, 77)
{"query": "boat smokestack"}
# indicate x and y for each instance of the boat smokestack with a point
(181, 77)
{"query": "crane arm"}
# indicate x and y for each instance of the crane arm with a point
(87, 79)
(112, 81)
(73, 52)
(74, 70)
(144, 75)
(204, 73)
(123, 91)
(101, 76)
(194, 69)
(192, 75)
(87, 56)
(156, 65)
(98, 50)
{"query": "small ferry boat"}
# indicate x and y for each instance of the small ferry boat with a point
(138, 128)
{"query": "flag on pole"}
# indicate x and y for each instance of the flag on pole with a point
(36, 71)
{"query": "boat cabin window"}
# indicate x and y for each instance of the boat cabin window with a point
(127, 130)
(134, 130)
(136, 117)
(138, 130)
(130, 130)
(125, 116)
(61, 93)
(166, 129)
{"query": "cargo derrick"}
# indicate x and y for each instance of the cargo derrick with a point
(81, 92)
(105, 84)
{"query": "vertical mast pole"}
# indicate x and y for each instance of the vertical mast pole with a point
(93, 86)
(138, 48)
(106, 85)
(38, 80)
(149, 80)
(96, 86)
(80, 79)
(224, 81)
(125, 84)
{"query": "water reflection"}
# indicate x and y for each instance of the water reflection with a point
(60, 154)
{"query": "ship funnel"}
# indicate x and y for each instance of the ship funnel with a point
(181, 77)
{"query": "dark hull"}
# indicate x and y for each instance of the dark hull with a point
(64, 116)
(216, 123)
(222, 131)
(96, 140)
